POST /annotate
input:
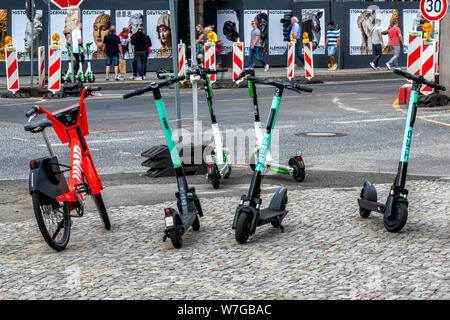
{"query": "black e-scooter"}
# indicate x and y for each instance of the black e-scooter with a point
(219, 165)
(395, 210)
(189, 208)
(248, 214)
(296, 165)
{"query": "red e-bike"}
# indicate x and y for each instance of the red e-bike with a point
(54, 199)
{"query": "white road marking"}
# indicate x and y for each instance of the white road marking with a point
(20, 139)
(342, 106)
(438, 115)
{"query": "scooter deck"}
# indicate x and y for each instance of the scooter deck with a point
(267, 214)
(371, 205)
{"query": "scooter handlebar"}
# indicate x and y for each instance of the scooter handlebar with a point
(245, 71)
(280, 83)
(153, 86)
(419, 79)
(91, 89)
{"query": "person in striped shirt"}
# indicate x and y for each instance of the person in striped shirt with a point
(331, 44)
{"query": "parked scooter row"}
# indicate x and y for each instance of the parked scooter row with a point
(55, 200)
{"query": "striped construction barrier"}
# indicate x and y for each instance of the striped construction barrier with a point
(182, 60)
(414, 61)
(428, 64)
(54, 68)
(309, 62)
(210, 59)
(12, 70)
(41, 66)
(238, 60)
(291, 60)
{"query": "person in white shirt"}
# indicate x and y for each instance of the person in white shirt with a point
(76, 44)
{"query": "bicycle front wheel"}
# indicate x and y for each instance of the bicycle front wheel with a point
(53, 224)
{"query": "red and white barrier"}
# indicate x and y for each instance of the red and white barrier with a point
(238, 60)
(428, 64)
(291, 60)
(309, 63)
(210, 59)
(182, 65)
(41, 66)
(12, 71)
(414, 62)
(54, 68)
(436, 51)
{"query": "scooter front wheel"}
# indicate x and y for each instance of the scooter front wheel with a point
(398, 217)
(215, 176)
(54, 225)
(91, 78)
(299, 171)
(243, 227)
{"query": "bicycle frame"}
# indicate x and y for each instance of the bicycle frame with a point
(73, 133)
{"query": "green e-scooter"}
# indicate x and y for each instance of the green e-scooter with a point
(395, 210)
(219, 164)
(296, 165)
(189, 208)
(249, 214)
(89, 75)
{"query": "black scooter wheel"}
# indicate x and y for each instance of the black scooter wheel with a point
(196, 224)
(299, 172)
(243, 228)
(364, 213)
(398, 217)
(91, 79)
(215, 177)
(176, 239)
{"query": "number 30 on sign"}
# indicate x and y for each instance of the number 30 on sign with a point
(433, 10)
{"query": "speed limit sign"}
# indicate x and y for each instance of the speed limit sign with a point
(433, 10)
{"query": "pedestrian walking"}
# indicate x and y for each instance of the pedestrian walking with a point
(333, 37)
(255, 47)
(377, 45)
(77, 44)
(199, 43)
(297, 30)
(147, 53)
(140, 42)
(395, 38)
(113, 51)
(124, 42)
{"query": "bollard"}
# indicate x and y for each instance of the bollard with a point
(238, 60)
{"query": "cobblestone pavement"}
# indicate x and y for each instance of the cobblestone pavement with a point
(326, 252)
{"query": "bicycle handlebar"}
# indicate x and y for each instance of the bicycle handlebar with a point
(280, 83)
(34, 109)
(419, 79)
(153, 86)
(205, 71)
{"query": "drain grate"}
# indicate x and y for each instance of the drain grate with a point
(320, 134)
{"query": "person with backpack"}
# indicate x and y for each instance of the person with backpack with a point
(140, 42)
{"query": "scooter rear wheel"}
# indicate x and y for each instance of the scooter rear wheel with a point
(176, 239)
(364, 213)
(243, 228)
(91, 79)
(51, 222)
(398, 217)
(299, 172)
(228, 173)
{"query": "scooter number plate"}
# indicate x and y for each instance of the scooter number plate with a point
(169, 221)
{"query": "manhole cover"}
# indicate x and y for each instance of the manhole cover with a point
(320, 134)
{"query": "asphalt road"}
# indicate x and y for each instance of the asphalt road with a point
(360, 111)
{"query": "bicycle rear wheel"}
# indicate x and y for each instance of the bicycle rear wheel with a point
(54, 225)
(98, 200)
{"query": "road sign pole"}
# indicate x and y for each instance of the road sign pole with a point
(194, 83)
(174, 33)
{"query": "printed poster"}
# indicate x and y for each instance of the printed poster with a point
(96, 25)
(61, 22)
(227, 29)
(132, 19)
(159, 31)
(277, 45)
(3, 32)
(362, 22)
(313, 22)
(262, 22)
(21, 34)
